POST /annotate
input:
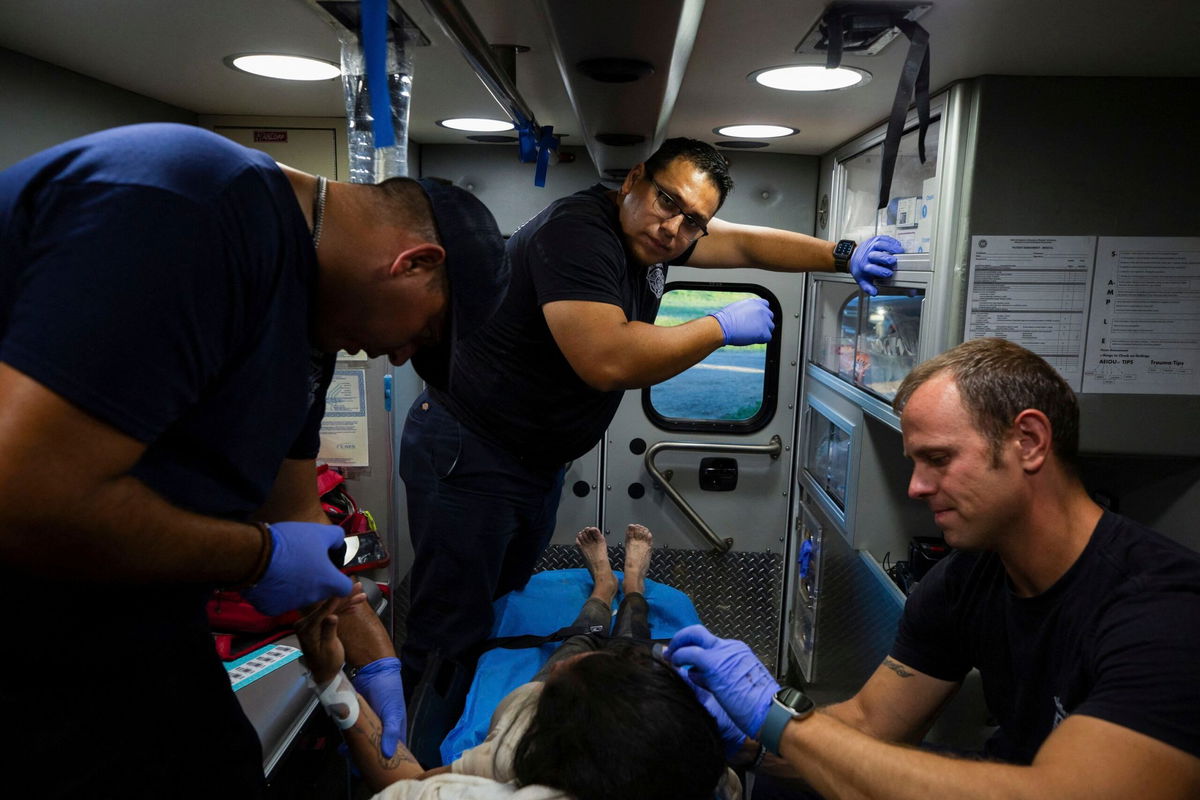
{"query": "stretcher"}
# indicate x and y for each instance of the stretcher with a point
(549, 602)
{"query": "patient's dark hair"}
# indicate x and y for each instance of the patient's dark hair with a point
(621, 723)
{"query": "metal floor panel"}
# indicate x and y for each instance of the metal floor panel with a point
(737, 595)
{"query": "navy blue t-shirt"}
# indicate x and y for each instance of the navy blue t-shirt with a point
(510, 383)
(159, 277)
(1117, 638)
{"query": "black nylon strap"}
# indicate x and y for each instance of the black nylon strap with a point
(537, 640)
(913, 77)
(833, 39)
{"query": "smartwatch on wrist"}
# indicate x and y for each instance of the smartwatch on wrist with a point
(841, 255)
(787, 705)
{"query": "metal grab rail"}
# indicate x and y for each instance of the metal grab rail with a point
(772, 449)
(457, 23)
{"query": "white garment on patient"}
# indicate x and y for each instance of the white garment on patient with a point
(465, 787)
(485, 771)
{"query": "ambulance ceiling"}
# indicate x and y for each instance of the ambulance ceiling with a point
(701, 52)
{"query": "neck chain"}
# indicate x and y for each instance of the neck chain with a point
(318, 213)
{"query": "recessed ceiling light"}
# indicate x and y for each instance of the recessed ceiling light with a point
(287, 68)
(810, 78)
(476, 124)
(755, 131)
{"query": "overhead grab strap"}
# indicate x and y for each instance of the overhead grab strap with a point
(914, 76)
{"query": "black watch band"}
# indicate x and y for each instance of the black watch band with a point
(841, 255)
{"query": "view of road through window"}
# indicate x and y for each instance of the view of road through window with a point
(728, 385)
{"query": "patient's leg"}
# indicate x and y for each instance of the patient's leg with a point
(594, 547)
(597, 609)
(633, 615)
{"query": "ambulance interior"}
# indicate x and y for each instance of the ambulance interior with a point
(774, 480)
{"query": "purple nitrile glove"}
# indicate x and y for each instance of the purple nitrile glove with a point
(873, 260)
(748, 321)
(380, 683)
(728, 669)
(731, 736)
(300, 571)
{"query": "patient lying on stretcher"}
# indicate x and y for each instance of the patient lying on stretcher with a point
(602, 718)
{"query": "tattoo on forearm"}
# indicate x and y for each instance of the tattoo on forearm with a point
(897, 667)
(373, 731)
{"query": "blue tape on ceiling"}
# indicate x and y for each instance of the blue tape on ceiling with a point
(374, 42)
(546, 143)
(527, 142)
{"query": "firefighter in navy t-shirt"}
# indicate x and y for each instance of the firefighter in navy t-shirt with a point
(170, 308)
(483, 453)
(1084, 625)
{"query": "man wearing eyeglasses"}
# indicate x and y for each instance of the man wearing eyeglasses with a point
(483, 456)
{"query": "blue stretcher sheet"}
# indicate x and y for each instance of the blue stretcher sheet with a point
(551, 600)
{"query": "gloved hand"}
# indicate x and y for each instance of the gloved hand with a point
(300, 571)
(731, 735)
(748, 321)
(381, 684)
(728, 669)
(874, 259)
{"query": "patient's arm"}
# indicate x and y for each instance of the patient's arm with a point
(363, 635)
(363, 740)
(324, 654)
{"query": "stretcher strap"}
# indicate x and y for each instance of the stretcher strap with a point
(522, 641)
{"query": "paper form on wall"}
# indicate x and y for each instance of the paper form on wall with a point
(1145, 331)
(344, 428)
(1033, 290)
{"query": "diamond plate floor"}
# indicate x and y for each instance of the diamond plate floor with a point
(737, 595)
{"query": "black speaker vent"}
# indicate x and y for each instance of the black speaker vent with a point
(620, 139)
(615, 70)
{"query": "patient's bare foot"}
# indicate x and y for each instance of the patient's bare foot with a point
(639, 544)
(594, 547)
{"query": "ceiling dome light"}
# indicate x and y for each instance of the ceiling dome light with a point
(287, 68)
(476, 124)
(810, 78)
(755, 131)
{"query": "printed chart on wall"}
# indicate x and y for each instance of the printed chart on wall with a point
(1033, 290)
(344, 428)
(1144, 337)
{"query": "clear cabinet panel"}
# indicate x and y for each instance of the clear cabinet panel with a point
(871, 342)
(833, 343)
(827, 455)
(911, 208)
(888, 339)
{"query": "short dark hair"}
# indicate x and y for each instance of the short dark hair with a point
(621, 723)
(997, 380)
(702, 155)
(403, 202)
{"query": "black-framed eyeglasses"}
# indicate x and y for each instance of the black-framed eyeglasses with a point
(667, 207)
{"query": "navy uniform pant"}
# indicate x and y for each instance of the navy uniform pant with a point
(478, 518)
